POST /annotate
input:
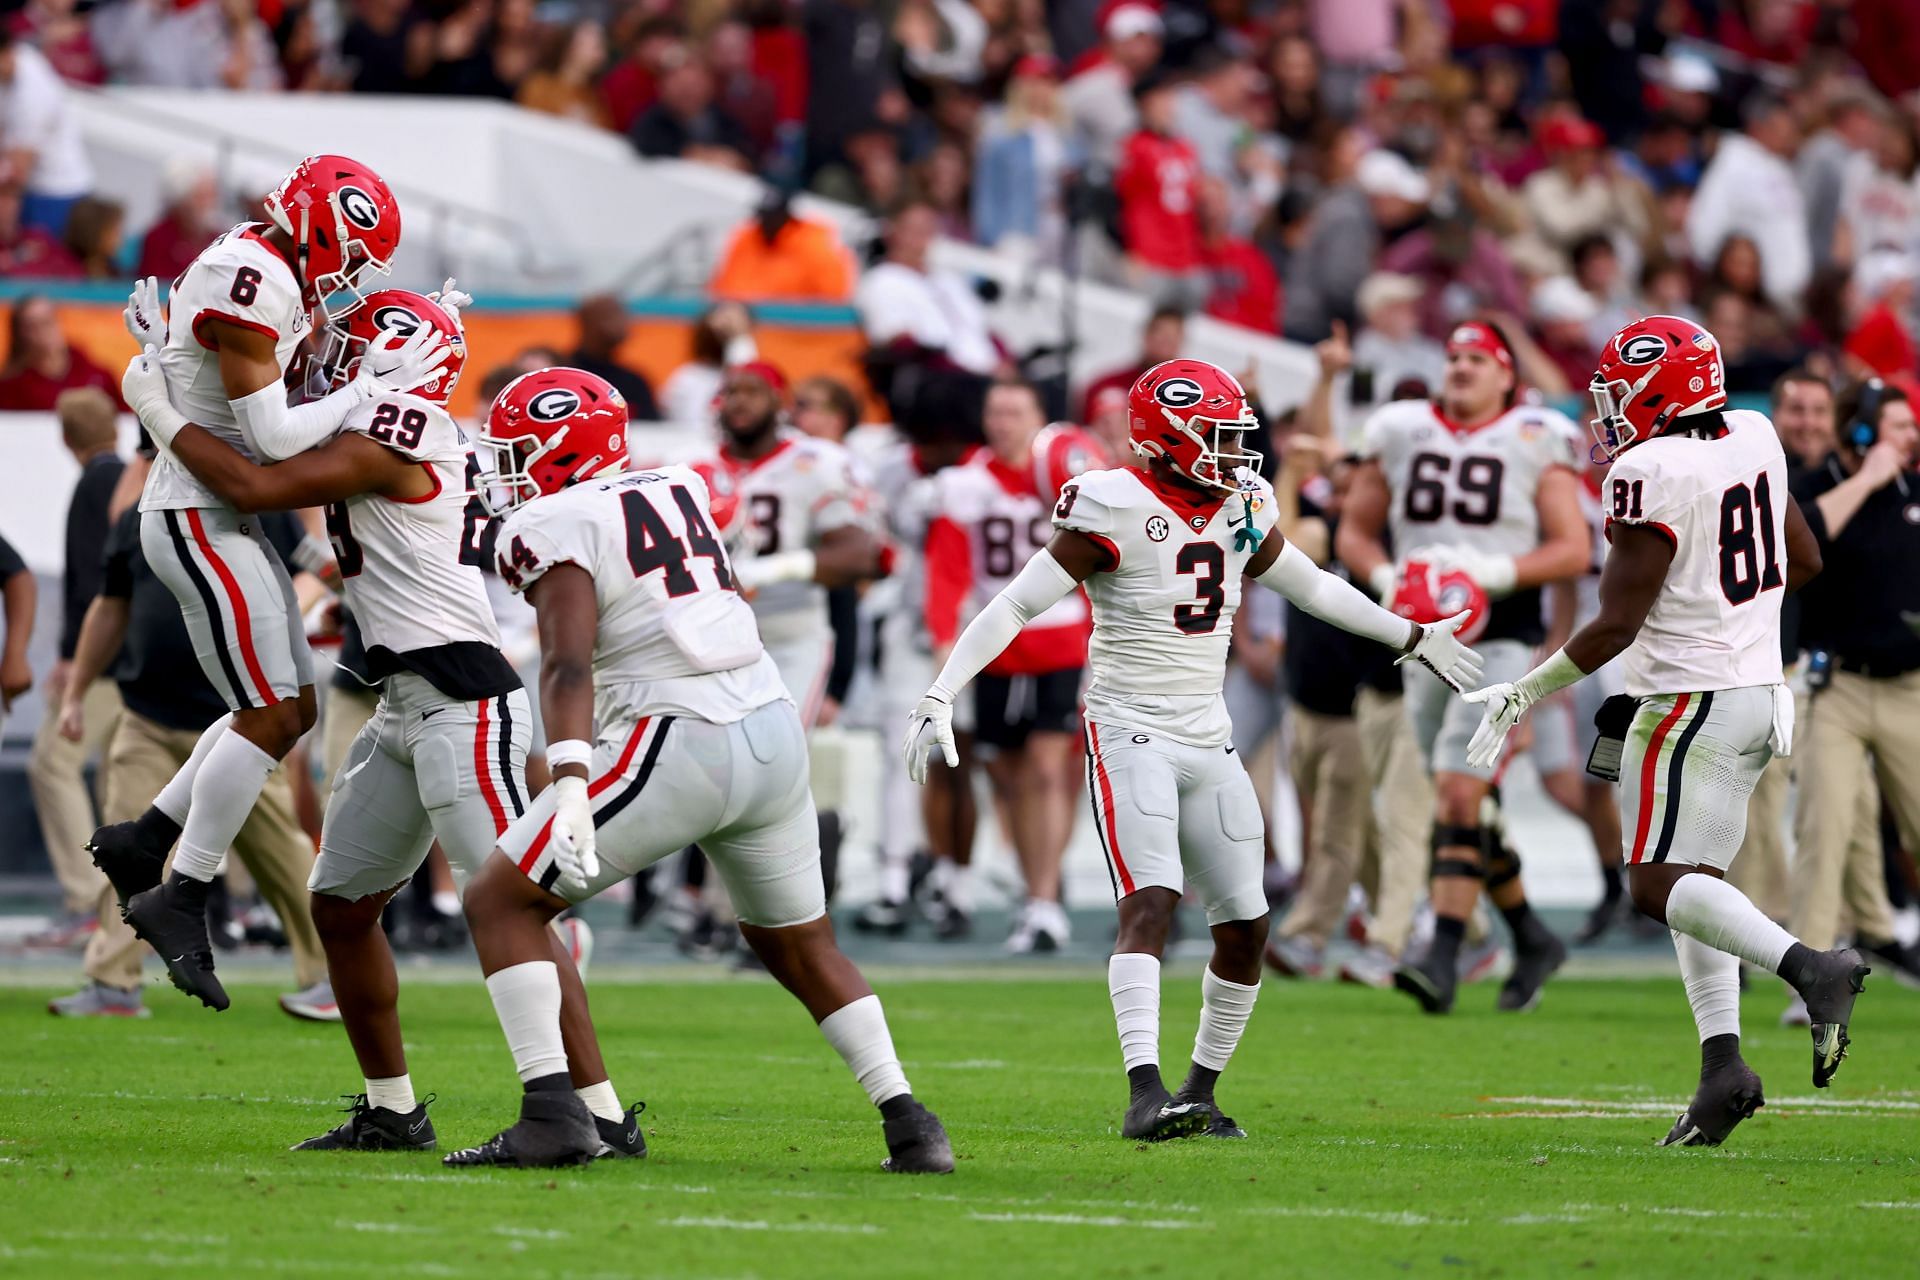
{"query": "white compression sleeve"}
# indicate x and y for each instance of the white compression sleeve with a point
(1333, 599)
(1037, 588)
(275, 432)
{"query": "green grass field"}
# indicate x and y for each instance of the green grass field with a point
(1383, 1143)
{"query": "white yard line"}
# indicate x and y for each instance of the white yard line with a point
(1088, 1220)
(755, 1224)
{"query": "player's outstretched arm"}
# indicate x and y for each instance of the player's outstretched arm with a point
(1067, 561)
(1284, 567)
(841, 557)
(569, 622)
(1636, 569)
(345, 467)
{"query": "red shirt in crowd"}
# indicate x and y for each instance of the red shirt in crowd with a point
(1245, 289)
(1881, 342)
(1522, 23)
(28, 390)
(1120, 380)
(1157, 185)
(170, 248)
(628, 89)
(34, 254)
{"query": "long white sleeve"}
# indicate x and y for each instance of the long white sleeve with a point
(1332, 598)
(1035, 590)
(275, 432)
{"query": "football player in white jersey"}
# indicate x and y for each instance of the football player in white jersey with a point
(1474, 485)
(992, 519)
(1706, 543)
(643, 630)
(1161, 547)
(237, 315)
(444, 756)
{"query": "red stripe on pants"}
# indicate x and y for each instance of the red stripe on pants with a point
(242, 623)
(1649, 767)
(1106, 802)
(594, 788)
(483, 766)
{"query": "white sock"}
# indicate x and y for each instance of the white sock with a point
(858, 1033)
(176, 798)
(395, 1093)
(526, 997)
(959, 888)
(1710, 909)
(446, 902)
(224, 793)
(1224, 1010)
(602, 1101)
(1133, 980)
(896, 872)
(1713, 985)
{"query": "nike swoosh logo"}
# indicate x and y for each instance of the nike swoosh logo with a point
(428, 715)
(177, 960)
(1229, 750)
(1231, 522)
(413, 1129)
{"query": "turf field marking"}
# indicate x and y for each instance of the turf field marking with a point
(1085, 1220)
(1802, 1102)
(756, 1224)
(1890, 1204)
(1384, 1218)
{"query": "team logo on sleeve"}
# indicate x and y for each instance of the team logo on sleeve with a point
(552, 405)
(1643, 348)
(359, 209)
(1157, 528)
(1179, 393)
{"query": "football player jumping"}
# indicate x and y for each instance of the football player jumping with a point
(238, 314)
(1479, 495)
(1161, 547)
(643, 629)
(1706, 543)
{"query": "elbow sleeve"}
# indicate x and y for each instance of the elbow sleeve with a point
(1037, 588)
(275, 432)
(1332, 599)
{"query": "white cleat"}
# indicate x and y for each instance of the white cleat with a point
(314, 1004)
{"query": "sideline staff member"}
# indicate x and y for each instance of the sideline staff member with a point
(1863, 611)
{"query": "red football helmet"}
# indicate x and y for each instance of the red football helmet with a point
(1427, 593)
(549, 429)
(1060, 452)
(1651, 372)
(723, 498)
(1182, 410)
(389, 311)
(344, 222)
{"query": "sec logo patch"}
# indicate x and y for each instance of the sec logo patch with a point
(1157, 528)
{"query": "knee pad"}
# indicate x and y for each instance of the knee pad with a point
(1503, 865)
(1452, 836)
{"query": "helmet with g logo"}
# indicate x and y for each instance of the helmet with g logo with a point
(400, 311)
(549, 429)
(344, 222)
(1651, 372)
(1425, 592)
(1183, 411)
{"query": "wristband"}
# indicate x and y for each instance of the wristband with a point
(569, 751)
(781, 566)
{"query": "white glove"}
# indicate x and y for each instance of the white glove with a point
(144, 387)
(1495, 573)
(1383, 580)
(401, 362)
(1505, 704)
(1440, 652)
(1780, 738)
(573, 836)
(931, 723)
(145, 319)
(452, 300)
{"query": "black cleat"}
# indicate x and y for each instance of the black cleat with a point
(916, 1142)
(1838, 977)
(555, 1129)
(1607, 913)
(622, 1138)
(370, 1128)
(131, 864)
(1221, 1126)
(1159, 1117)
(172, 919)
(1431, 984)
(888, 919)
(1532, 966)
(1719, 1104)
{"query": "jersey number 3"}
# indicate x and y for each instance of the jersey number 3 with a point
(1208, 565)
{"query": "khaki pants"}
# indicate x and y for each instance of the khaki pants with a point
(346, 714)
(54, 773)
(1330, 773)
(1855, 724)
(140, 759)
(1394, 867)
(1762, 870)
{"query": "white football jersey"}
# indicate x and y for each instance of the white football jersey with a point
(1451, 487)
(411, 569)
(674, 634)
(1163, 614)
(243, 280)
(1723, 503)
(804, 488)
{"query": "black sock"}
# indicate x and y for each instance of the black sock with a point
(1145, 1080)
(1526, 926)
(156, 830)
(1796, 967)
(558, 1082)
(1613, 883)
(1200, 1081)
(899, 1105)
(1447, 933)
(1717, 1052)
(187, 889)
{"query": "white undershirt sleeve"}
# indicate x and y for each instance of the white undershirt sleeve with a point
(1333, 599)
(275, 432)
(1037, 588)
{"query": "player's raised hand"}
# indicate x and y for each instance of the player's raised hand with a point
(930, 724)
(452, 300)
(403, 361)
(574, 839)
(1438, 650)
(143, 386)
(145, 320)
(1505, 704)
